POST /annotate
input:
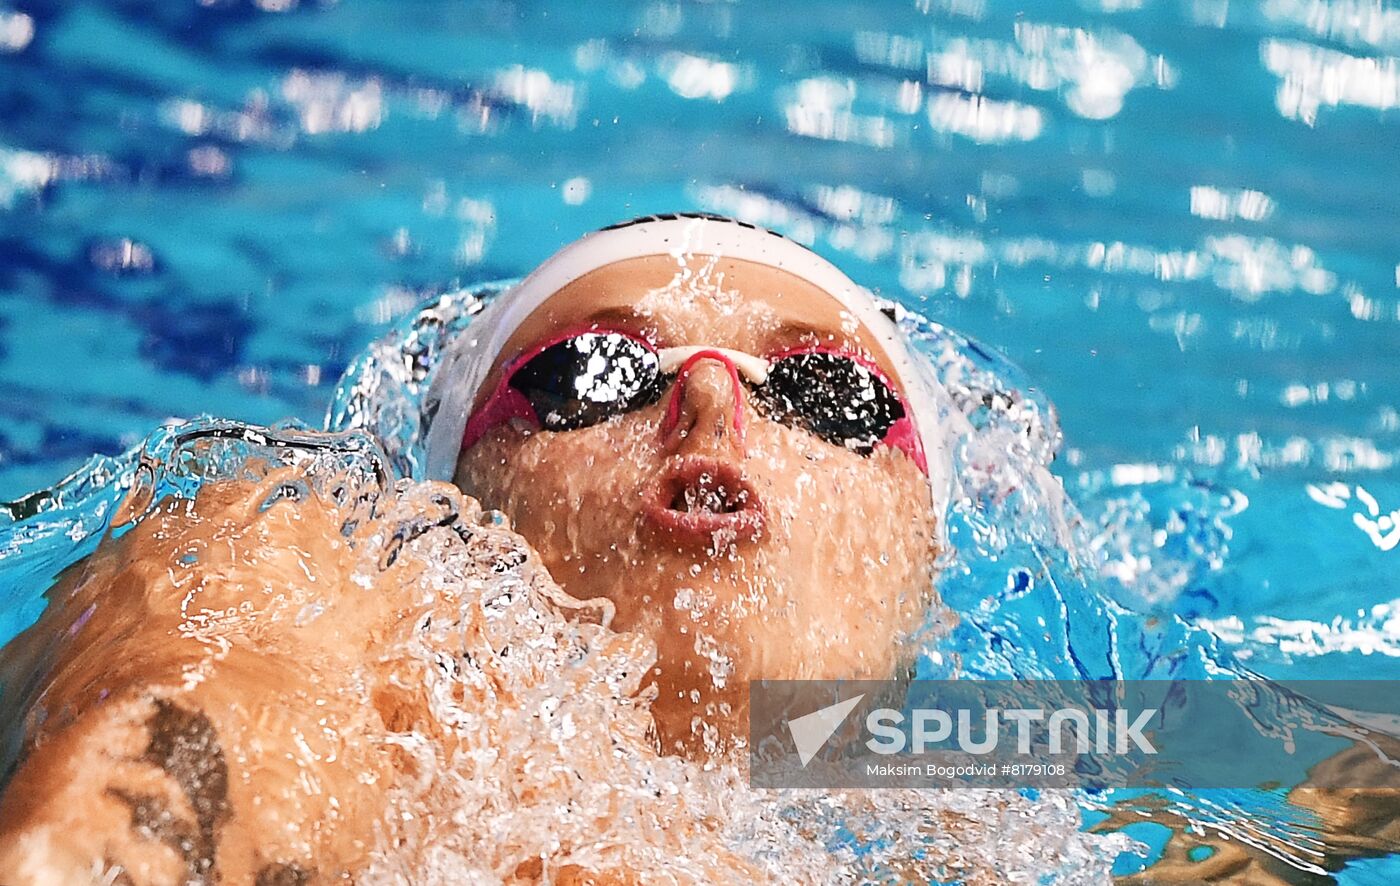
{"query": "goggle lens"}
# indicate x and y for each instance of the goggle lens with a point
(831, 396)
(589, 378)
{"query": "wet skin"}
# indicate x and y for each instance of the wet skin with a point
(224, 697)
(821, 570)
(199, 726)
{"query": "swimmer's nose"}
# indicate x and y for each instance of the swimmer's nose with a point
(706, 406)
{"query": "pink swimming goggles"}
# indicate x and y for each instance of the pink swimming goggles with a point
(587, 376)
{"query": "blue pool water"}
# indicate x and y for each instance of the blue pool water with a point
(1177, 217)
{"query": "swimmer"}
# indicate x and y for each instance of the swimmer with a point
(700, 426)
(719, 432)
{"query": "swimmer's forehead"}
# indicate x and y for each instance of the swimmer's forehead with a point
(698, 299)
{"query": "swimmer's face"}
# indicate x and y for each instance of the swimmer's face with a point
(813, 561)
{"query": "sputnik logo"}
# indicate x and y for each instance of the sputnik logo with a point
(811, 731)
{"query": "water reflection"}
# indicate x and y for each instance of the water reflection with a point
(1313, 77)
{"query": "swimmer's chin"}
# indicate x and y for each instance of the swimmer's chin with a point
(737, 513)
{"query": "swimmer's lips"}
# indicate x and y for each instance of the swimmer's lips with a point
(707, 482)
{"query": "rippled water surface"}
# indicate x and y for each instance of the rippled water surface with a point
(1179, 219)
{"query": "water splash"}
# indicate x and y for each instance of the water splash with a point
(1041, 590)
(475, 723)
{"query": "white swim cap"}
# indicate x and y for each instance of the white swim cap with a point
(470, 358)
